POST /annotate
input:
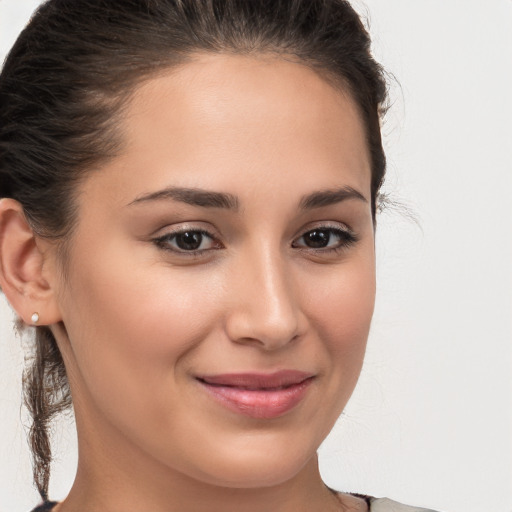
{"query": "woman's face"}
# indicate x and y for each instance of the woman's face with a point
(220, 282)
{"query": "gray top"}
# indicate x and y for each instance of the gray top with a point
(387, 505)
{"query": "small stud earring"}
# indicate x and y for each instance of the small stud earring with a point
(35, 318)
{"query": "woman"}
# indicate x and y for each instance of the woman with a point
(188, 216)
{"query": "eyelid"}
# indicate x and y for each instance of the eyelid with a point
(335, 226)
(186, 225)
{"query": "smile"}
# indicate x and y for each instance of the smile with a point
(256, 395)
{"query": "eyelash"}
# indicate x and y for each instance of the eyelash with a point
(164, 242)
(346, 237)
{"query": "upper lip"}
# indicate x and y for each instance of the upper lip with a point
(283, 378)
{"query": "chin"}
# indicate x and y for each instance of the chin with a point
(252, 477)
(260, 467)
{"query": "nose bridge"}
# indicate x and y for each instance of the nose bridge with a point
(264, 309)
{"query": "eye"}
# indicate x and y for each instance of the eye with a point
(188, 241)
(325, 238)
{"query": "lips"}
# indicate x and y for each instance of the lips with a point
(261, 396)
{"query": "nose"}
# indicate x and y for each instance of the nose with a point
(264, 310)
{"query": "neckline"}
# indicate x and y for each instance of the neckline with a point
(48, 506)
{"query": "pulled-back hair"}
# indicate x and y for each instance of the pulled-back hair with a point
(72, 70)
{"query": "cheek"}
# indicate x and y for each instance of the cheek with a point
(341, 308)
(144, 307)
(130, 324)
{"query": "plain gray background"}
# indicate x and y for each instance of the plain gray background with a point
(430, 423)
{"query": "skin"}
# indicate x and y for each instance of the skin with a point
(138, 320)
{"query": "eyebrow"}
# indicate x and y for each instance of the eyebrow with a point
(330, 197)
(210, 199)
(192, 196)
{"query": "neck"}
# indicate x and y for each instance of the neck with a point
(138, 487)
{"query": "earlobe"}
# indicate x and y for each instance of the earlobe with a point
(22, 276)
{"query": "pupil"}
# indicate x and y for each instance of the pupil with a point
(317, 239)
(189, 241)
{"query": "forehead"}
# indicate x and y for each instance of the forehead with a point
(223, 120)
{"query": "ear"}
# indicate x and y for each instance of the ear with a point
(24, 275)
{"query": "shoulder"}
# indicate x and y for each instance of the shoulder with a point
(387, 505)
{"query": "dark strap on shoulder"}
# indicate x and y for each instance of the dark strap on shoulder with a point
(45, 507)
(367, 499)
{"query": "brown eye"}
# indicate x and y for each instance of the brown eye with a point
(317, 239)
(325, 238)
(188, 241)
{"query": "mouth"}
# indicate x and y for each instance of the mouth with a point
(262, 396)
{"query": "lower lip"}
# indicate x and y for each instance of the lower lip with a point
(261, 403)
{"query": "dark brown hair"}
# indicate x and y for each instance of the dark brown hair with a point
(70, 73)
